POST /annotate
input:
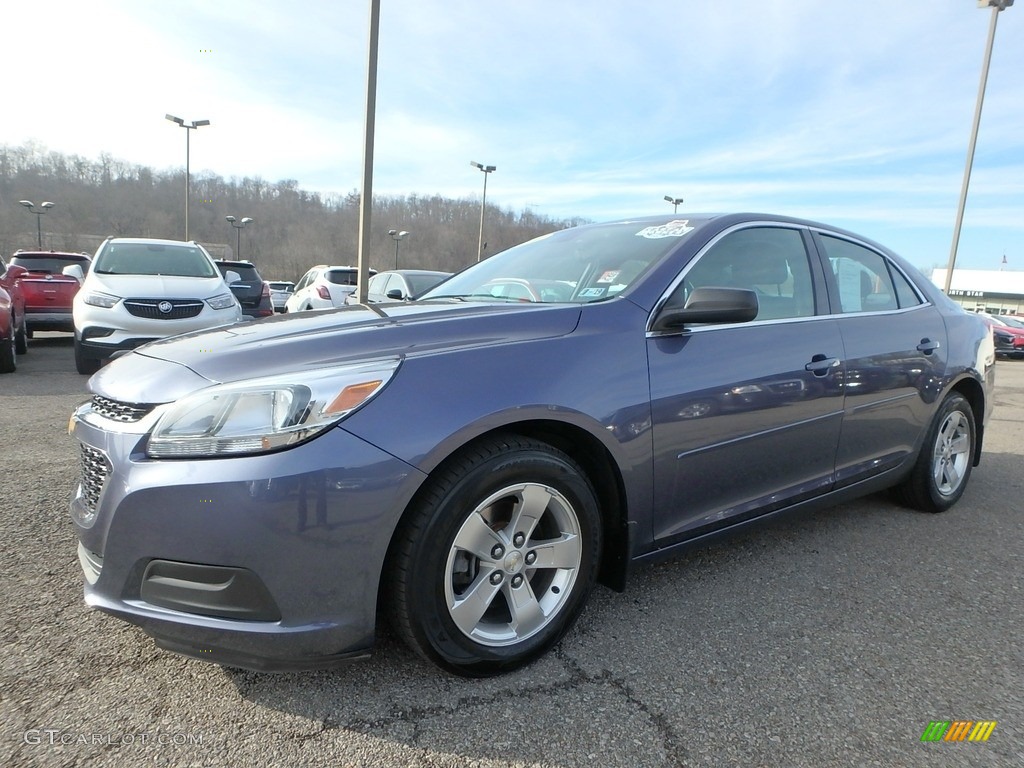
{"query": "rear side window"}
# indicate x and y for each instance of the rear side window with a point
(863, 279)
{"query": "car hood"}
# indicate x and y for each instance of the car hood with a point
(165, 370)
(157, 286)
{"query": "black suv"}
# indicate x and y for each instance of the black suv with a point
(252, 291)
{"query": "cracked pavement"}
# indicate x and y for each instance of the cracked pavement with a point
(830, 638)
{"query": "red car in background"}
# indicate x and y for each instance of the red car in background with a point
(13, 334)
(1009, 338)
(48, 293)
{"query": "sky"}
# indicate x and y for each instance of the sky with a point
(856, 113)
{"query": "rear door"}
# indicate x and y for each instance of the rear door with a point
(895, 348)
(746, 417)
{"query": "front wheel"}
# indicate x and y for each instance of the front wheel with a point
(497, 557)
(940, 475)
(84, 365)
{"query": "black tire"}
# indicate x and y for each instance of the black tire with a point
(942, 470)
(477, 500)
(8, 356)
(84, 365)
(21, 338)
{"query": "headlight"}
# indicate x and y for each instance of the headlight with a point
(265, 414)
(222, 301)
(104, 300)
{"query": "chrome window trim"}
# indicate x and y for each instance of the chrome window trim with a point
(924, 300)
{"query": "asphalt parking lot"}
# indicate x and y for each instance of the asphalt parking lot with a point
(826, 639)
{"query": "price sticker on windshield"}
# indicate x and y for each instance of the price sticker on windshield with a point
(676, 228)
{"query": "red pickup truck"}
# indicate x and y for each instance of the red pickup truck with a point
(48, 293)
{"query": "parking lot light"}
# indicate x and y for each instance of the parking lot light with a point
(486, 169)
(44, 207)
(189, 127)
(675, 202)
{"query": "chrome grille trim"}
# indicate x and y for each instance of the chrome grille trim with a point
(115, 410)
(149, 308)
(95, 471)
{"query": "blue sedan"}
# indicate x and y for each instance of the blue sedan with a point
(471, 464)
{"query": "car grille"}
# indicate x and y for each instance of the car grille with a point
(95, 471)
(176, 309)
(118, 411)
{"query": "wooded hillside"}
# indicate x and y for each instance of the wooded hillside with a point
(293, 229)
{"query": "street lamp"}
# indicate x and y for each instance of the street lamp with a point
(238, 233)
(397, 236)
(996, 6)
(39, 226)
(189, 127)
(486, 169)
(675, 202)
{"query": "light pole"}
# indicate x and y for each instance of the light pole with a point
(486, 169)
(238, 233)
(39, 214)
(675, 202)
(189, 127)
(996, 6)
(397, 236)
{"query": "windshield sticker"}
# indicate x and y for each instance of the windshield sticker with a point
(609, 276)
(591, 293)
(676, 228)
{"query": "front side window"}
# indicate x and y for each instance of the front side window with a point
(770, 261)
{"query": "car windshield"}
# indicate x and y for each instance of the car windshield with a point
(288, 287)
(578, 265)
(154, 259)
(1013, 322)
(50, 265)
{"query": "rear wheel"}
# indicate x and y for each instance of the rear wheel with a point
(497, 557)
(84, 365)
(940, 475)
(21, 338)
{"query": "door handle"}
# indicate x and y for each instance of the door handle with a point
(928, 346)
(820, 365)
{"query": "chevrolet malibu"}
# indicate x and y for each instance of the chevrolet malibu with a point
(470, 465)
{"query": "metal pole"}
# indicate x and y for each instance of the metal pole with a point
(187, 132)
(238, 243)
(39, 229)
(970, 150)
(366, 198)
(483, 205)
(396, 253)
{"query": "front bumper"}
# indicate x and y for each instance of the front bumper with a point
(265, 562)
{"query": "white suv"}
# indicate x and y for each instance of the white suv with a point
(323, 287)
(139, 290)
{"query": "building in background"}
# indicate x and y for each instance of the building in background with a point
(985, 290)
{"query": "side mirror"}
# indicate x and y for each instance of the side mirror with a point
(395, 293)
(14, 271)
(709, 305)
(75, 271)
(232, 277)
